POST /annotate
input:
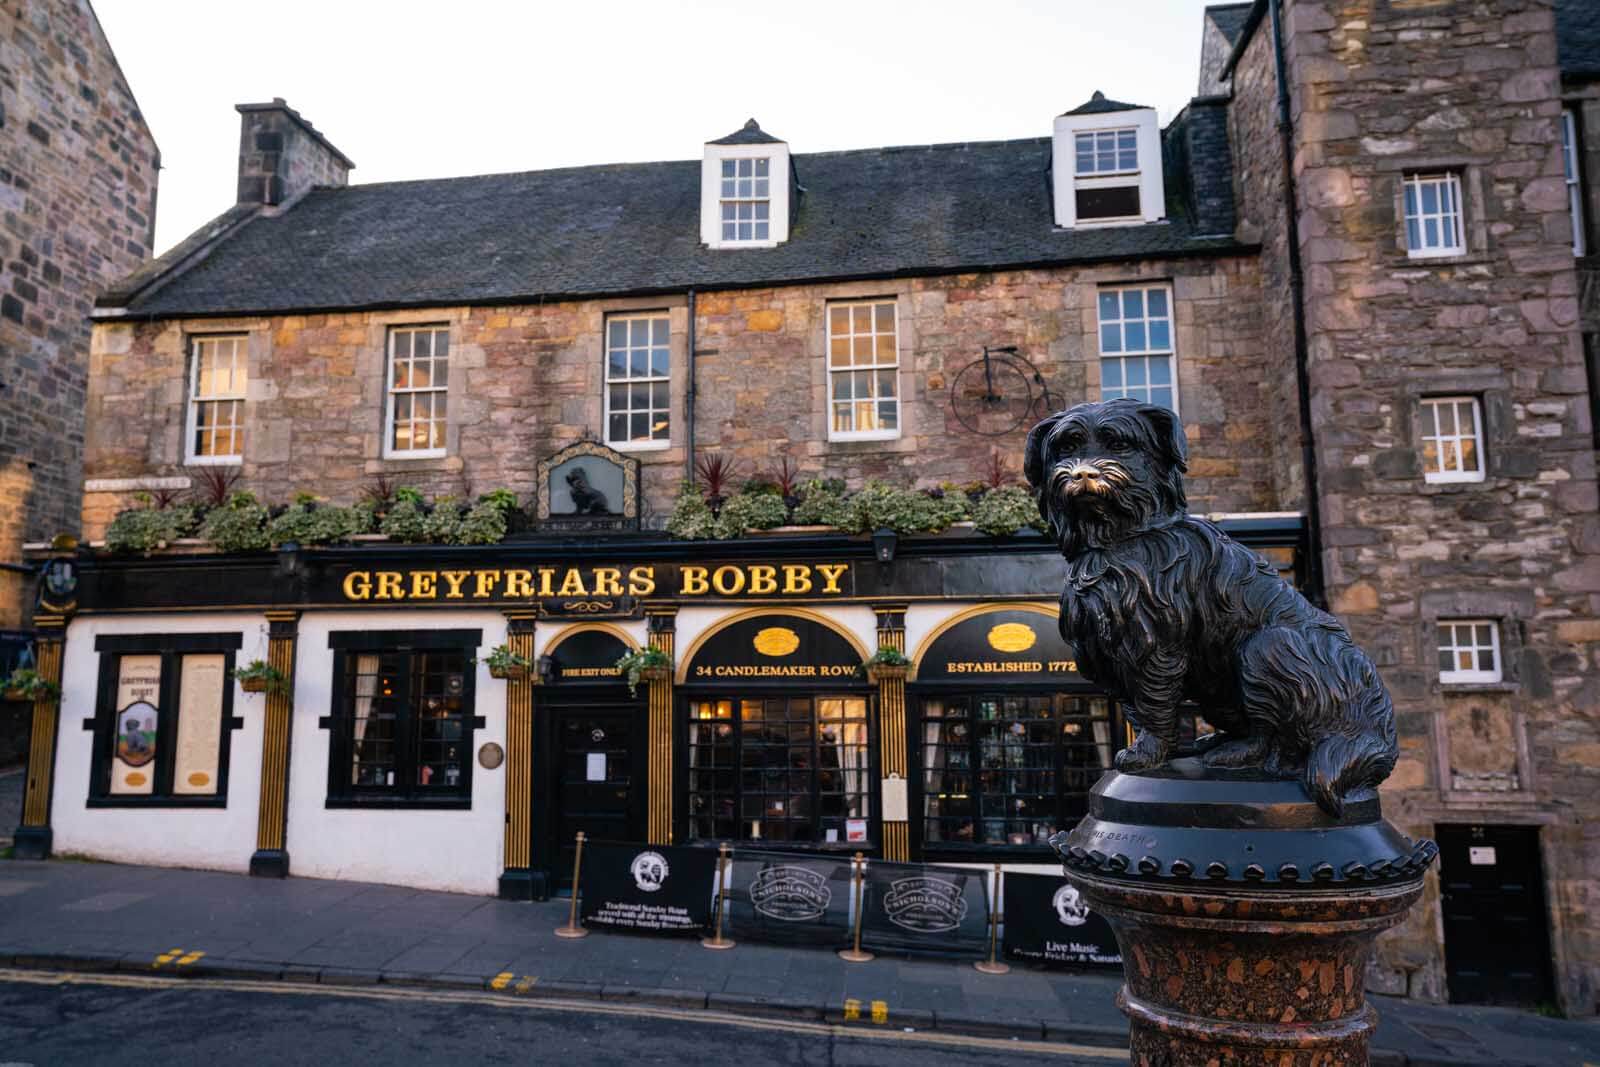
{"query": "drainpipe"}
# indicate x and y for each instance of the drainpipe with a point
(688, 399)
(1297, 298)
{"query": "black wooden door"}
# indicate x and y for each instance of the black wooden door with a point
(1496, 938)
(598, 787)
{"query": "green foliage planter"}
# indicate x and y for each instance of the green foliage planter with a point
(149, 529)
(506, 664)
(406, 521)
(1002, 512)
(258, 676)
(240, 525)
(309, 523)
(886, 663)
(644, 664)
(25, 684)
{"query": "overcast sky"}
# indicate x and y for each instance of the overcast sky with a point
(412, 90)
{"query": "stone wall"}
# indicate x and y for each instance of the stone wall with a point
(282, 156)
(1379, 90)
(527, 380)
(77, 209)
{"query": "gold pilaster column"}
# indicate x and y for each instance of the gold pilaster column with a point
(893, 754)
(517, 881)
(663, 624)
(271, 857)
(32, 840)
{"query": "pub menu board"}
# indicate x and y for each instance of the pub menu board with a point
(1048, 921)
(200, 689)
(789, 898)
(133, 769)
(647, 889)
(916, 908)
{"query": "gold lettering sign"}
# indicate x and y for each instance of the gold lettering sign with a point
(776, 641)
(515, 583)
(1012, 637)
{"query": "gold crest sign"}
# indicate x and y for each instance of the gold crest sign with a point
(776, 641)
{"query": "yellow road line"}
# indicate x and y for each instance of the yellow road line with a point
(554, 1005)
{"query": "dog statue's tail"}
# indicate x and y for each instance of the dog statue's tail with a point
(1361, 754)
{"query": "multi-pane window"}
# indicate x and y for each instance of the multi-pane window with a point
(419, 383)
(637, 380)
(746, 199)
(163, 719)
(782, 768)
(863, 365)
(1136, 351)
(1106, 173)
(1433, 215)
(217, 379)
(402, 723)
(1569, 158)
(1452, 439)
(1001, 769)
(1469, 650)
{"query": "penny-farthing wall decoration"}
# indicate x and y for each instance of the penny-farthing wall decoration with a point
(1000, 393)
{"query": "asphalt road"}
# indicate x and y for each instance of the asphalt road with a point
(48, 1019)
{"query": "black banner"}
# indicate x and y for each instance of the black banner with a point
(1047, 921)
(910, 907)
(789, 898)
(647, 889)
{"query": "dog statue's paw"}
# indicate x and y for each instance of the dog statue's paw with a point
(1147, 751)
(1238, 752)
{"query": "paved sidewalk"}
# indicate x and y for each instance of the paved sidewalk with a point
(92, 916)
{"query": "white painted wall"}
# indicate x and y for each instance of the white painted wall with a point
(455, 851)
(209, 838)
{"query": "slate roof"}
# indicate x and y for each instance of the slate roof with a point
(1230, 19)
(1099, 105)
(634, 228)
(1578, 37)
(750, 133)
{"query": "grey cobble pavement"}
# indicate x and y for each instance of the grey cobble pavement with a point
(94, 916)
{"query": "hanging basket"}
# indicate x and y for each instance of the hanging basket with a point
(881, 672)
(16, 694)
(256, 684)
(655, 674)
(509, 673)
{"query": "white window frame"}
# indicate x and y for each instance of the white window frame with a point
(607, 381)
(1475, 675)
(1115, 178)
(1448, 187)
(1573, 171)
(390, 391)
(240, 365)
(1433, 430)
(724, 200)
(778, 192)
(1064, 166)
(875, 368)
(1147, 351)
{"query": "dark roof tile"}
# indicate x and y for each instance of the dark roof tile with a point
(1099, 105)
(1578, 37)
(750, 133)
(1230, 19)
(633, 228)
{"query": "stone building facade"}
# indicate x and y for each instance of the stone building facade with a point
(78, 172)
(1368, 227)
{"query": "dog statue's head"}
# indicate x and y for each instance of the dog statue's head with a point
(1105, 470)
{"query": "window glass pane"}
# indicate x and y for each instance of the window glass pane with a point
(441, 343)
(1110, 339)
(1109, 306)
(1156, 301)
(1111, 373)
(1160, 372)
(617, 427)
(1133, 303)
(1133, 336)
(1161, 397)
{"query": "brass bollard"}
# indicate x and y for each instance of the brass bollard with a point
(572, 929)
(716, 940)
(992, 965)
(855, 955)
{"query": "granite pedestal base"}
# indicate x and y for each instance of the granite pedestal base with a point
(1244, 913)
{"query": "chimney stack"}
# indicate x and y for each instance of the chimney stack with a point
(282, 156)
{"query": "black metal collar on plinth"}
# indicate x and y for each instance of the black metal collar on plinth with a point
(1186, 823)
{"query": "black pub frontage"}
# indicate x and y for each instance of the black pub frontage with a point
(391, 753)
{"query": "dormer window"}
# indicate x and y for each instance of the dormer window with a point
(745, 187)
(746, 199)
(1107, 165)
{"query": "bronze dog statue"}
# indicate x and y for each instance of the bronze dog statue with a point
(1163, 608)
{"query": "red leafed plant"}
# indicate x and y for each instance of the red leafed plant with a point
(165, 498)
(786, 476)
(717, 472)
(214, 485)
(379, 489)
(998, 473)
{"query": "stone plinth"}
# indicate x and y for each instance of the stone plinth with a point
(1245, 914)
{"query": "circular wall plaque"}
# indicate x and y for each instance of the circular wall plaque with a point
(490, 756)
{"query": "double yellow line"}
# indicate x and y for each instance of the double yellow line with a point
(554, 1005)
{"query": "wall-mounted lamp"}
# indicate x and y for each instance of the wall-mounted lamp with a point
(884, 542)
(547, 669)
